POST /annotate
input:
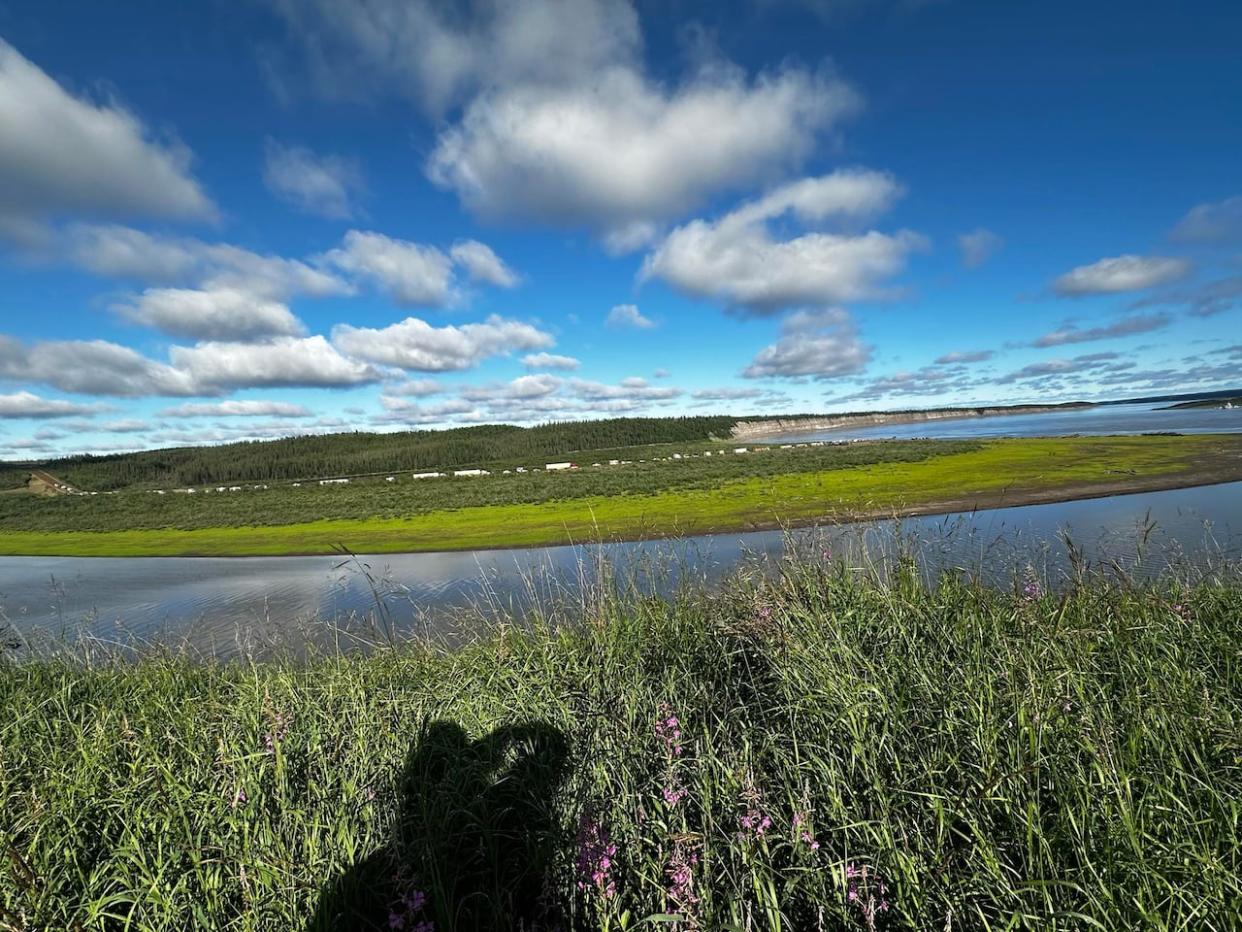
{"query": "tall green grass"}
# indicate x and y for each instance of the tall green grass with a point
(818, 748)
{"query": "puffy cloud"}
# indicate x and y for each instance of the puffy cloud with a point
(523, 388)
(736, 260)
(281, 362)
(316, 184)
(416, 344)
(818, 344)
(123, 252)
(1219, 222)
(628, 315)
(483, 265)
(417, 388)
(614, 149)
(978, 246)
(1119, 274)
(215, 314)
(549, 361)
(28, 405)
(1127, 326)
(410, 273)
(440, 55)
(96, 367)
(1062, 367)
(558, 120)
(847, 193)
(63, 154)
(403, 411)
(966, 356)
(249, 408)
(632, 389)
(91, 367)
(417, 275)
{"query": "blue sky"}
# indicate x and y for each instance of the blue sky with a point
(222, 221)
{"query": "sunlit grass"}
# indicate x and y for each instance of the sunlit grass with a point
(1012, 759)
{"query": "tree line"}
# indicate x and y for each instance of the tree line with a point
(361, 453)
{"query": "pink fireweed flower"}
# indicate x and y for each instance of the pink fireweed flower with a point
(668, 730)
(800, 822)
(277, 731)
(680, 875)
(404, 913)
(673, 794)
(595, 854)
(754, 822)
(866, 891)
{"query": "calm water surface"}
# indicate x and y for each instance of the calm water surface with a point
(1105, 419)
(223, 606)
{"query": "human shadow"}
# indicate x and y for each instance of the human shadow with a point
(473, 840)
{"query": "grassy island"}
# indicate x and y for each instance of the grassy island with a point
(660, 496)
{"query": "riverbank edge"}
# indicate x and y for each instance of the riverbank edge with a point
(779, 427)
(352, 535)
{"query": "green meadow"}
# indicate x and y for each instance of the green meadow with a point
(656, 499)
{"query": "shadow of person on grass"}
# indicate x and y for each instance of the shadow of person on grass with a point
(474, 837)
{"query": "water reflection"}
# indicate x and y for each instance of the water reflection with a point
(226, 606)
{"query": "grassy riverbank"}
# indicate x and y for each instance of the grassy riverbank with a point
(724, 493)
(813, 750)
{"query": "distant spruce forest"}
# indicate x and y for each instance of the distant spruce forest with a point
(353, 454)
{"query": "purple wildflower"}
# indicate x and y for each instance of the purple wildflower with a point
(277, 731)
(1031, 591)
(800, 822)
(1182, 611)
(867, 892)
(595, 854)
(406, 910)
(754, 823)
(680, 875)
(668, 730)
(673, 793)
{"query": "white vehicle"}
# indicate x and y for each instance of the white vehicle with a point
(557, 467)
(427, 475)
(472, 472)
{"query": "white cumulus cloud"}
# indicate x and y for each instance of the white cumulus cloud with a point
(213, 314)
(62, 154)
(1119, 274)
(29, 405)
(246, 408)
(628, 315)
(549, 361)
(818, 344)
(737, 261)
(215, 367)
(326, 185)
(416, 345)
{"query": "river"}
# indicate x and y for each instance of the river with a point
(1142, 418)
(224, 607)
